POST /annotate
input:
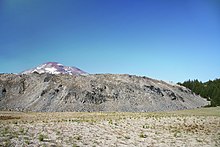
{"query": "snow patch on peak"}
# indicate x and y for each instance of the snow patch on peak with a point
(51, 69)
(55, 68)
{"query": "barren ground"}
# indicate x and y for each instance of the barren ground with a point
(198, 127)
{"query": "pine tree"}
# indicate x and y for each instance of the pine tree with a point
(209, 90)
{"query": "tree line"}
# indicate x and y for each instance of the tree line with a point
(209, 90)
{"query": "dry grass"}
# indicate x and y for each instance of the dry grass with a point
(198, 127)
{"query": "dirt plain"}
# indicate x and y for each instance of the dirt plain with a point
(198, 127)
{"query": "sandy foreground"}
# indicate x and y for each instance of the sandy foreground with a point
(199, 127)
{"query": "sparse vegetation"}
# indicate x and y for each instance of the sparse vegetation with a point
(41, 137)
(177, 133)
(21, 130)
(78, 137)
(75, 145)
(27, 142)
(127, 137)
(142, 135)
(146, 126)
(199, 127)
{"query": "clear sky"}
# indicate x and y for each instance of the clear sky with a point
(171, 40)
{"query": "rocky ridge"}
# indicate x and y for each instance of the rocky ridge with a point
(96, 92)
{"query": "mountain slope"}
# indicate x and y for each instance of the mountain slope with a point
(54, 68)
(210, 89)
(101, 92)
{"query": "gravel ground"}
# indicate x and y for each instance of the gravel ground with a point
(109, 129)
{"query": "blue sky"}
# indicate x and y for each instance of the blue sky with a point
(171, 40)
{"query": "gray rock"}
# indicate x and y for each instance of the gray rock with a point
(99, 92)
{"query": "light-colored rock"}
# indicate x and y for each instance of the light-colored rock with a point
(98, 92)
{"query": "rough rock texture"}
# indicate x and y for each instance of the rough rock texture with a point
(100, 92)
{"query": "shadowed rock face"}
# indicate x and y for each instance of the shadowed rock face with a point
(102, 92)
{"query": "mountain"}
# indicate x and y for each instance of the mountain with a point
(54, 68)
(92, 92)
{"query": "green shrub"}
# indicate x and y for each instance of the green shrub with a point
(41, 137)
(142, 135)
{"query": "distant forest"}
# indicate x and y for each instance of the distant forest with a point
(209, 90)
